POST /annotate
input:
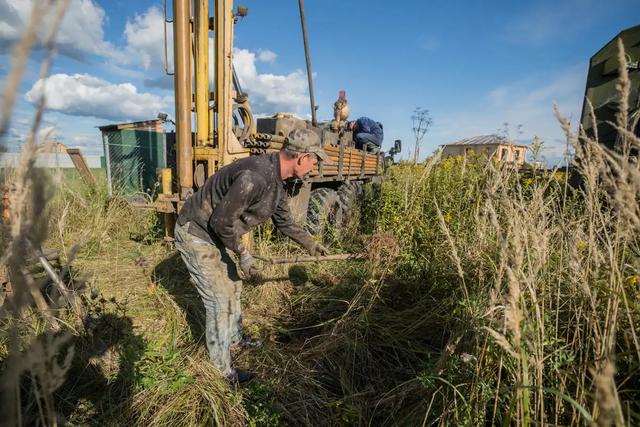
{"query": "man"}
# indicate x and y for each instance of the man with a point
(367, 133)
(340, 111)
(209, 228)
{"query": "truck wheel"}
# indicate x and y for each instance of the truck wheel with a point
(330, 210)
(325, 213)
(349, 194)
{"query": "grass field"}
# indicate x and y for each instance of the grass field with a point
(486, 297)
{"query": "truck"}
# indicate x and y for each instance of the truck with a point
(601, 91)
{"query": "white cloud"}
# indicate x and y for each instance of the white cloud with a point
(86, 95)
(81, 31)
(83, 140)
(17, 135)
(265, 55)
(145, 41)
(89, 144)
(270, 93)
(47, 134)
(143, 55)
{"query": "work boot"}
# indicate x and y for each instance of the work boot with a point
(238, 376)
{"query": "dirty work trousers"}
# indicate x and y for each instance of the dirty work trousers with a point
(216, 278)
(367, 141)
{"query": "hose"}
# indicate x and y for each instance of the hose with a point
(246, 116)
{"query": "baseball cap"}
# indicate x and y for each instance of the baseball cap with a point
(306, 141)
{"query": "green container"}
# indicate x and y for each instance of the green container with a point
(135, 153)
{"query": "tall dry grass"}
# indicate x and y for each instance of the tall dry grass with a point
(547, 304)
(513, 299)
(41, 356)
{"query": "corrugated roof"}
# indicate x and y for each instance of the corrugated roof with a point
(151, 125)
(485, 140)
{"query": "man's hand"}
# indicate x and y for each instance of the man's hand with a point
(317, 249)
(248, 265)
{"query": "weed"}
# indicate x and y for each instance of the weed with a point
(258, 400)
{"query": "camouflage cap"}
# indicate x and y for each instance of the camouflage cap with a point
(306, 141)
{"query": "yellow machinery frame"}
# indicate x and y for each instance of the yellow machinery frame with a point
(214, 143)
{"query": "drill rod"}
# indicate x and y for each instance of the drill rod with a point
(307, 258)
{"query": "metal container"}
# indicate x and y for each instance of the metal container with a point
(135, 153)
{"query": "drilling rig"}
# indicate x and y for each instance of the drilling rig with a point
(215, 125)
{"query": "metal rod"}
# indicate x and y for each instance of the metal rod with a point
(166, 21)
(236, 83)
(223, 76)
(167, 189)
(312, 99)
(201, 31)
(306, 258)
(107, 160)
(182, 87)
(53, 275)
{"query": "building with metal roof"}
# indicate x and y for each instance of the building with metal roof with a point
(496, 147)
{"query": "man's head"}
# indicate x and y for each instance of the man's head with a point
(349, 125)
(300, 153)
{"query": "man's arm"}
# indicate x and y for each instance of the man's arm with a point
(226, 216)
(283, 220)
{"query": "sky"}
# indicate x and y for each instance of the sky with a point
(475, 65)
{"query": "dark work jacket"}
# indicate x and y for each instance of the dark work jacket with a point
(366, 125)
(238, 197)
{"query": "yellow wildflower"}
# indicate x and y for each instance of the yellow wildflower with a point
(582, 245)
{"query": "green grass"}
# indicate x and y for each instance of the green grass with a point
(486, 297)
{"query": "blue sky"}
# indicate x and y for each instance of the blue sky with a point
(475, 64)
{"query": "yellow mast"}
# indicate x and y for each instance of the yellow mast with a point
(201, 32)
(215, 143)
(223, 39)
(182, 88)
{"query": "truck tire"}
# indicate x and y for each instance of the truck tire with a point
(324, 213)
(330, 210)
(349, 194)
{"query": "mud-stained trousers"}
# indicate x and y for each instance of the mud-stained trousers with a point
(219, 285)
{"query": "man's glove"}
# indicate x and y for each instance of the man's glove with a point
(248, 265)
(316, 249)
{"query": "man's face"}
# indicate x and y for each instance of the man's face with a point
(304, 165)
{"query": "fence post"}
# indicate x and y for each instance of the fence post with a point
(105, 143)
